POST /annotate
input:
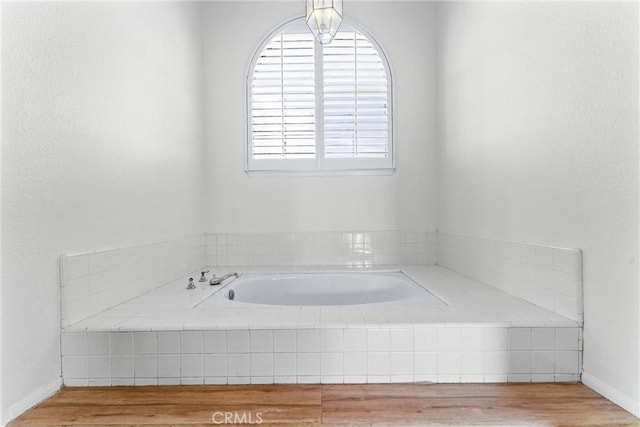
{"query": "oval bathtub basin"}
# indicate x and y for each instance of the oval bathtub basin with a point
(321, 289)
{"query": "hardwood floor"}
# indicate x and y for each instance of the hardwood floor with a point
(548, 404)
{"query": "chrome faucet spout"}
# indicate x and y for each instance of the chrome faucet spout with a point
(218, 280)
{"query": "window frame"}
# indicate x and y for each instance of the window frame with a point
(319, 165)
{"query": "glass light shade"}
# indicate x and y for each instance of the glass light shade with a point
(324, 18)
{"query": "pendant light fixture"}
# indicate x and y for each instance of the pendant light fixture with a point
(324, 18)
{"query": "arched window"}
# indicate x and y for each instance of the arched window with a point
(316, 108)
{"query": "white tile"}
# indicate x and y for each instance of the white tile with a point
(238, 342)
(567, 339)
(262, 365)
(472, 362)
(496, 363)
(122, 367)
(75, 311)
(98, 262)
(238, 365)
(448, 339)
(216, 380)
(519, 362)
(308, 364)
(543, 278)
(331, 364)
(308, 379)
(542, 378)
(191, 365)
(449, 378)
(145, 366)
(355, 340)
(355, 364)
(566, 306)
(74, 367)
(331, 379)
(99, 367)
(401, 339)
(285, 380)
(115, 382)
(308, 340)
(471, 378)
(402, 363)
(145, 343)
(75, 266)
(168, 366)
(472, 339)
(75, 289)
(98, 343)
(74, 343)
(215, 365)
(99, 382)
(331, 340)
(426, 363)
(191, 381)
(168, 342)
(378, 379)
(563, 260)
(378, 363)
(425, 378)
(262, 380)
(564, 283)
(544, 257)
(425, 340)
(448, 363)
(355, 379)
(495, 378)
(566, 377)
(121, 343)
(519, 339)
(378, 340)
(542, 338)
(191, 342)
(519, 378)
(284, 341)
(261, 342)
(285, 364)
(567, 362)
(542, 362)
(74, 382)
(238, 380)
(215, 342)
(397, 379)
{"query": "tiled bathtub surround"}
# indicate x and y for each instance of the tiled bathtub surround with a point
(351, 355)
(94, 281)
(480, 334)
(550, 277)
(350, 249)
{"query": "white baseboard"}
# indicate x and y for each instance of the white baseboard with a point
(32, 399)
(600, 387)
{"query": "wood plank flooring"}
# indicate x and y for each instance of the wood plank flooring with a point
(548, 404)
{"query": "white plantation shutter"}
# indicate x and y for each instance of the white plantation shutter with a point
(319, 108)
(355, 99)
(283, 100)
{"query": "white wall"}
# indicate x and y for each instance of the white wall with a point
(237, 202)
(101, 146)
(538, 142)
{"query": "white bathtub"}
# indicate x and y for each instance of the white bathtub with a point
(321, 289)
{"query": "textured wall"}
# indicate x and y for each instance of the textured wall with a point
(538, 142)
(237, 202)
(101, 146)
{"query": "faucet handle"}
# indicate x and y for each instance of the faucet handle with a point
(191, 285)
(202, 277)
